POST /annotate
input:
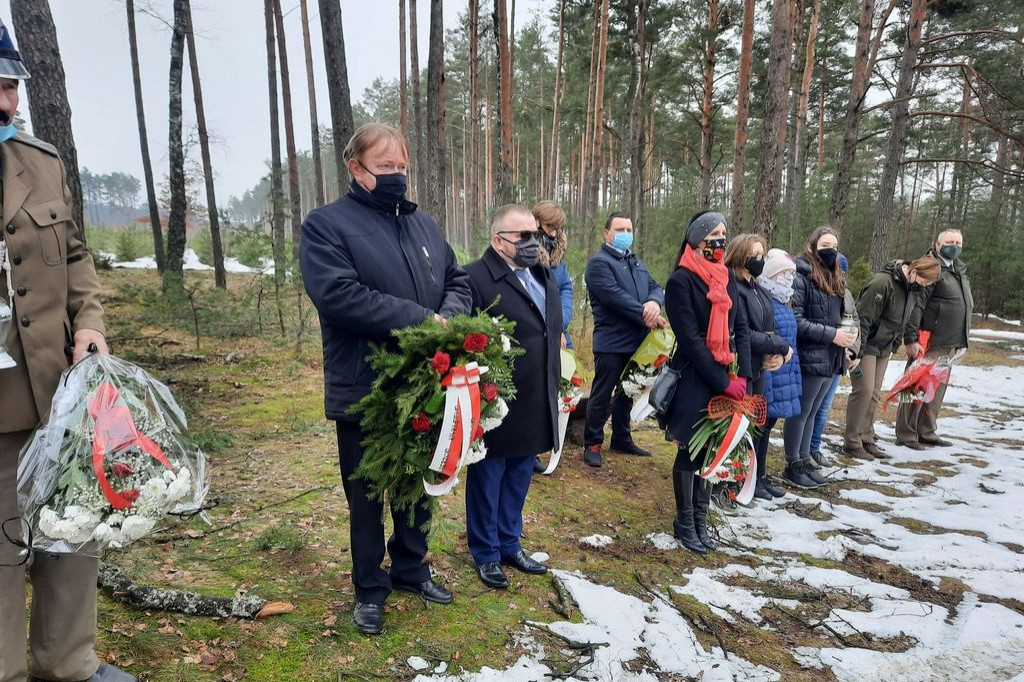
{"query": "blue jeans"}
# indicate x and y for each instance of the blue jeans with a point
(822, 417)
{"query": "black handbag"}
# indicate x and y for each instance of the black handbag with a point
(663, 391)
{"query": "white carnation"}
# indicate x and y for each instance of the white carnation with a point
(476, 453)
(135, 527)
(500, 409)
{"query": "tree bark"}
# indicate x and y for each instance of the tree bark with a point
(403, 78)
(473, 170)
(314, 122)
(176, 156)
(637, 118)
(342, 126)
(597, 169)
(505, 179)
(419, 163)
(769, 168)
(219, 275)
(707, 106)
(276, 189)
(742, 113)
(294, 197)
(798, 164)
(958, 192)
(437, 143)
(147, 164)
(586, 141)
(551, 188)
(897, 137)
(47, 92)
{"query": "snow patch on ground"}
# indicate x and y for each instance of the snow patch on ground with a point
(663, 541)
(596, 541)
(190, 262)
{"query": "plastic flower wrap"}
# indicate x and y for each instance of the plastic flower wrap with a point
(643, 368)
(723, 441)
(111, 462)
(921, 381)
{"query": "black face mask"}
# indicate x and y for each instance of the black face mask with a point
(391, 187)
(755, 266)
(828, 257)
(950, 251)
(714, 249)
(527, 252)
(914, 286)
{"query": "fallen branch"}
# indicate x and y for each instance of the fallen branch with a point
(586, 650)
(563, 603)
(123, 589)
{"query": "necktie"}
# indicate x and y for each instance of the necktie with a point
(533, 289)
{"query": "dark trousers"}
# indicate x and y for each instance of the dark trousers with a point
(797, 431)
(761, 447)
(495, 494)
(607, 372)
(407, 545)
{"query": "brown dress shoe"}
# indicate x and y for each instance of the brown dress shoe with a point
(913, 445)
(858, 453)
(875, 451)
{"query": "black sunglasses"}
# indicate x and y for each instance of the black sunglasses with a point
(524, 235)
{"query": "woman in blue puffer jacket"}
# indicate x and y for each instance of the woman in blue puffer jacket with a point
(782, 387)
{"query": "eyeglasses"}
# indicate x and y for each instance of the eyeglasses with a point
(524, 235)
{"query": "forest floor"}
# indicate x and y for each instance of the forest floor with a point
(911, 569)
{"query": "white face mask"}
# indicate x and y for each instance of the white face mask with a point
(780, 287)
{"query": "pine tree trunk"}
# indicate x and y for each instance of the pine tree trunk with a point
(821, 126)
(961, 172)
(637, 118)
(437, 143)
(473, 171)
(176, 155)
(420, 160)
(314, 123)
(707, 106)
(219, 274)
(597, 169)
(403, 78)
(551, 187)
(897, 137)
(276, 190)
(147, 165)
(999, 178)
(586, 142)
(742, 114)
(505, 162)
(337, 85)
(47, 91)
(294, 199)
(798, 164)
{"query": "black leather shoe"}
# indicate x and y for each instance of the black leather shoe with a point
(538, 466)
(912, 445)
(631, 449)
(936, 442)
(427, 589)
(592, 455)
(521, 562)
(368, 618)
(492, 575)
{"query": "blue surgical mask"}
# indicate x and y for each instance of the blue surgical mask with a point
(623, 240)
(7, 132)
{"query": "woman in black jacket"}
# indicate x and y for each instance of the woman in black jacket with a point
(818, 302)
(768, 351)
(711, 338)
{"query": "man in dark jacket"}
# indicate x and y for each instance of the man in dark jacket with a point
(371, 264)
(627, 304)
(945, 315)
(509, 281)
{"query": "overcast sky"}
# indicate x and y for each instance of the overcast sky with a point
(231, 43)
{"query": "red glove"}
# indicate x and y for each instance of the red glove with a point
(737, 388)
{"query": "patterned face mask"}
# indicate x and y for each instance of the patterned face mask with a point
(780, 288)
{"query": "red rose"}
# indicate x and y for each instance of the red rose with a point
(732, 495)
(567, 400)
(576, 381)
(723, 474)
(479, 433)
(121, 469)
(441, 362)
(660, 360)
(421, 423)
(490, 392)
(740, 478)
(475, 343)
(130, 495)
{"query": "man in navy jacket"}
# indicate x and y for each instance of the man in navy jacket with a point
(627, 304)
(372, 263)
(510, 281)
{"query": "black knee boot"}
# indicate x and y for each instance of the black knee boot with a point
(701, 501)
(682, 485)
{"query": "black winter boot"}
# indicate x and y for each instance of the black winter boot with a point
(812, 474)
(701, 501)
(682, 486)
(796, 474)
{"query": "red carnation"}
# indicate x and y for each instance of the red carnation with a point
(490, 392)
(740, 478)
(475, 343)
(441, 362)
(421, 422)
(566, 400)
(732, 495)
(576, 381)
(479, 433)
(723, 474)
(660, 360)
(130, 495)
(121, 469)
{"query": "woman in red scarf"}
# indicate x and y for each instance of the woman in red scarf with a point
(712, 356)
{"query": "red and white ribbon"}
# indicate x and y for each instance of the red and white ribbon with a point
(461, 419)
(556, 454)
(642, 408)
(733, 436)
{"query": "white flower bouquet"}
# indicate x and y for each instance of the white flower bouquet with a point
(643, 368)
(110, 463)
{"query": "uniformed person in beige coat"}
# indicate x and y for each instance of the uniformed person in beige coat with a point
(50, 282)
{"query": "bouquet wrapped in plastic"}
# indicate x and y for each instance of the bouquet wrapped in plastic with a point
(921, 381)
(643, 368)
(110, 463)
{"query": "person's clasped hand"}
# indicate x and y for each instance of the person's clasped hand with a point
(844, 338)
(737, 388)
